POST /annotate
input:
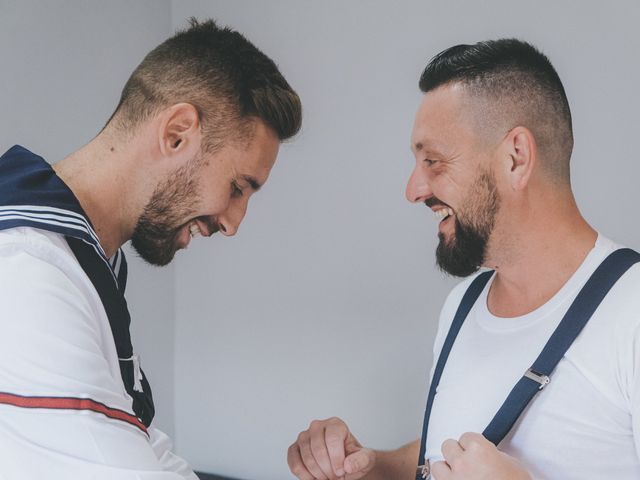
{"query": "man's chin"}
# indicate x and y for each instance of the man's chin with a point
(153, 255)
(453, 261)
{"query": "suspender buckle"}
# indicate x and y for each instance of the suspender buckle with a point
(543, 380)
(424, 471)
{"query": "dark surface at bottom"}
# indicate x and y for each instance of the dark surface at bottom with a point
(209, 476)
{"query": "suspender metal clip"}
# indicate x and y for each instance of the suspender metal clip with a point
(424, 471)
(543, 380)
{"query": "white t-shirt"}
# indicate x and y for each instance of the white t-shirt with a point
(586, 422)
(56, 347)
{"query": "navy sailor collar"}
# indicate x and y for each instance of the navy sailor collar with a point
(32, 195)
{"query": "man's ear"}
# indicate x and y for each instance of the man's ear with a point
(179, 131)
(521, 156)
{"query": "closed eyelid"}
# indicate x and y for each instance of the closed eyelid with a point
(236, 190)
(253, 183)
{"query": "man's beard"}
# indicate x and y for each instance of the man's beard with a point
(466, 251)
(156, 233)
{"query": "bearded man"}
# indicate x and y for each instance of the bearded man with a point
(195, 134)
(535, 360)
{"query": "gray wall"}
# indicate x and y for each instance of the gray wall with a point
(62, 66)
(326, 302)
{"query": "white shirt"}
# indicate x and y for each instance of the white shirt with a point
(586, 422)
(56, 344)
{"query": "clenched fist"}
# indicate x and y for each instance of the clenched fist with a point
(327, 450)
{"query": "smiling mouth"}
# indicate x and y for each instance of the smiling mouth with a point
(194, 230)
(202, 227)
(443, 213)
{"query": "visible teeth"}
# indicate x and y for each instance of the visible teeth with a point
(194, 230)
(443, 213)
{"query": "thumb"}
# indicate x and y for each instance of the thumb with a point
(359, 462)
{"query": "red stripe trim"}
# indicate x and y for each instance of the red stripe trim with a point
(70, 403)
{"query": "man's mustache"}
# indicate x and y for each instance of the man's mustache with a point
(434, 201)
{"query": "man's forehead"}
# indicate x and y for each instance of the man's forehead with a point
(440, 115)
(256, 156)
(444, 101)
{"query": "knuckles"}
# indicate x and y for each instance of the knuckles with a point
(471, 439)
(459, 464)
(439, 469)
(332, 421)
(315, 424)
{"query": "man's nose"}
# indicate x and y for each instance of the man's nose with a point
(418, 189)
(230, 220)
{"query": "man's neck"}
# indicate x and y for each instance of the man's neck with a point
(97, 177)
(540, 258)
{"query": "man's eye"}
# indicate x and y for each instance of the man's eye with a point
(429, 162)
(236, 191)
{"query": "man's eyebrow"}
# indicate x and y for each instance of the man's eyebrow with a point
(255, 185)
(427, 147)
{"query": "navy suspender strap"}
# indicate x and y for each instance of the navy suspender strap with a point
(536, 377)
(579, 313)
(468, 300)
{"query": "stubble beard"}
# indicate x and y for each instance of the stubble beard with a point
(156, 233)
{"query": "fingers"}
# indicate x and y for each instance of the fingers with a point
(308, 458)
(359, 463)
(473, 456)
(471, 439)
(451, 450)
(296, 464)
(335, 435)
(441, 470)
(319, 452)
(318, 444)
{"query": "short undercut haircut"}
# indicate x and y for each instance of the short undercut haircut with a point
(223, 75)
(515, 85)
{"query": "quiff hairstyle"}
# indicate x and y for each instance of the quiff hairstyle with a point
(515, 85)
(223, 75)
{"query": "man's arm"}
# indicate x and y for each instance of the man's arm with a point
(400, 463)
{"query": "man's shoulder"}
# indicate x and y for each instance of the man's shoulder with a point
(26, 236)
(625, 293)
(624, 296)
(41, 262)
(54, 320)
(31, 245)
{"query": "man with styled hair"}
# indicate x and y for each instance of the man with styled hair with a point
(536, 358)
(195, 134)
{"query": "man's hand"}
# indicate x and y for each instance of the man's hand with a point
(328, 451)
(474, 457)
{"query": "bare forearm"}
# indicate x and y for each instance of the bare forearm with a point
(398, 464)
